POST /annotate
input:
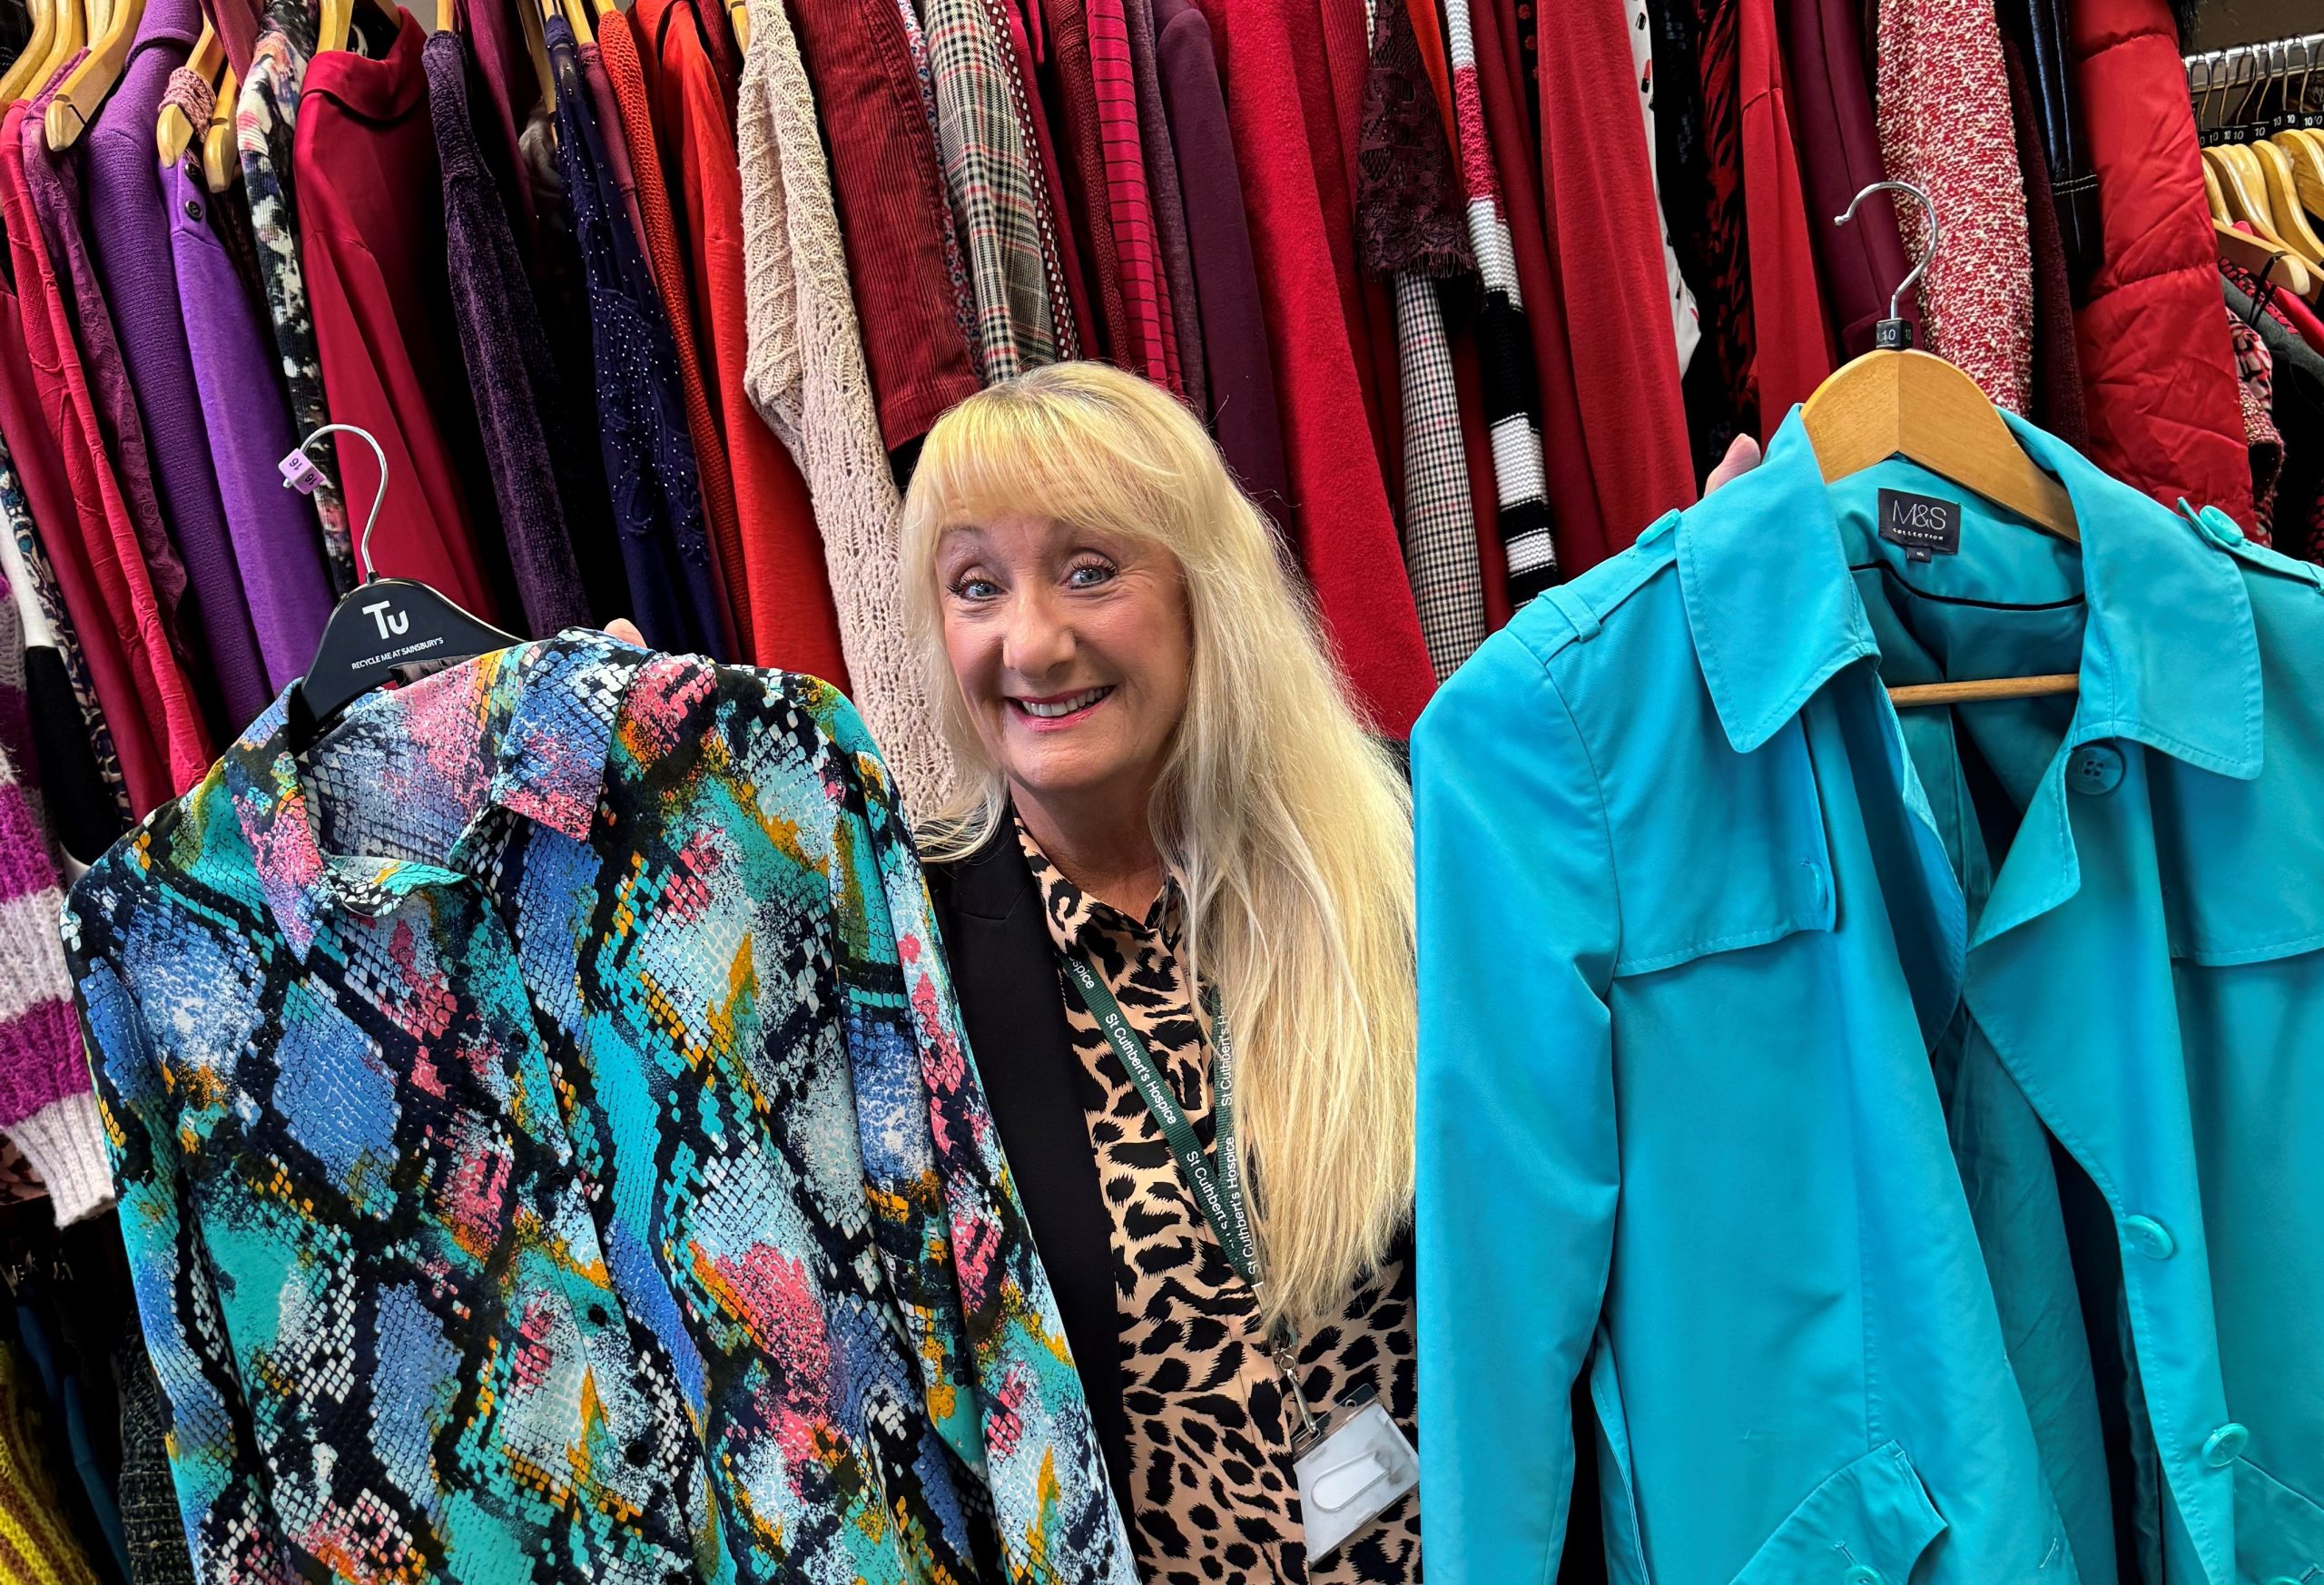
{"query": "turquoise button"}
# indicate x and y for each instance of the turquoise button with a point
(1818, 888)
(2225, 1445)
(2219, 525)
(2150, 1238)
(1862, 1575)
(2096, 769)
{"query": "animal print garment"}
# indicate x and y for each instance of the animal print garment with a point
(1212, 1486)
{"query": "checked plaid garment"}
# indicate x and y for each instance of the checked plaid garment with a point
(1023, 316)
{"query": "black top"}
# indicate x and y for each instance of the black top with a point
(1004, 971)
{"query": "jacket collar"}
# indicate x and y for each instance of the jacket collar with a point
(547, 711)
(2170, 657)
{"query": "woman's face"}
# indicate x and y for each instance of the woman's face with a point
(1073, 649)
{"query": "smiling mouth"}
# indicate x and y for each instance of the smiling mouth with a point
(1058, 709)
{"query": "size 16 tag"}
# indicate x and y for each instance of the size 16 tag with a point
(1359, 1465)
(1924, 525)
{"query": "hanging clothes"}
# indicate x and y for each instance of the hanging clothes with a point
(371, 243)
(1171, 238)
(2156, 366)
(278, 548)
(156, 726)
(1945, 128)
(1597, 187)
(67, 744)
(1072, 86)
(96, 669)
(1149, 344)
(1238, 368)
(266, 124)
(774, 577)
(1409, 230)
(1685, 318)
(509, 368)
(807, 376)
(46, 1107)
(1339, 505)
(564, 1295)
(1862, 263)
(999, 194)
(37, 1548)
(1508, 394)
(2056, 387)
(128, 220)
(623, 49)
(1791, 334)
(676, 597)
(895, 219)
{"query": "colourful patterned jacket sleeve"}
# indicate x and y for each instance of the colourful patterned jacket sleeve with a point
(148, 1111)
(1000, 1386)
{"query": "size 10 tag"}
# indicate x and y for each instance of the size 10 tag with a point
(1924, 525)
(1356, 1467)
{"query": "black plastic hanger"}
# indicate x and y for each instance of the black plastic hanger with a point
(384, 625)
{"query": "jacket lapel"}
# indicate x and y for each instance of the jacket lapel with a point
(1014, 1009)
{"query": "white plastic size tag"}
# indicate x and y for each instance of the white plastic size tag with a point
(1359, 1465)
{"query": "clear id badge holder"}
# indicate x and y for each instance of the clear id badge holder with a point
(1351, 1464)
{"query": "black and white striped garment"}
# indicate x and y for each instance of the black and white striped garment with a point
(1504, 351)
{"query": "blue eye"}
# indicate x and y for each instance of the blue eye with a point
(1088, 575)
(975, 589)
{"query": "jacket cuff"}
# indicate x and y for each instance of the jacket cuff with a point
(64, 1141)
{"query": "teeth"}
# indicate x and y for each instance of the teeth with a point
(1064, 706)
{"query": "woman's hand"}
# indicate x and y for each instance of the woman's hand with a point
(623, 628)
(1742, 457)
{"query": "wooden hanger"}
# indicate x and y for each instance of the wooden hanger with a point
(1894, 401)
(2241, 203)
(447, 15)
(2265, 261)
(222, 156)
(72, 32)
(337, 21)
(605, 9)
(17, 83)
(738, 16)
(533, 16)
(576, 18)
(2303, 150)
(2283, 201)
(174, 132)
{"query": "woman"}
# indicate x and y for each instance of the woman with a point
(1171, 806)
(1169, 791)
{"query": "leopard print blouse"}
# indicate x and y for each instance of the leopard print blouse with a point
(1214, 1492)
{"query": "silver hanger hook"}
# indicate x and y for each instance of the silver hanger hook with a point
(363, 567)
(1920, 265)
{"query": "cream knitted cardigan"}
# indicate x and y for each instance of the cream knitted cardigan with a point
(806, 374)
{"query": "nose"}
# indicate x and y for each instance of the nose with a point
(1039, 640)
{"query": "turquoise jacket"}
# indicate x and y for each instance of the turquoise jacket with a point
(1751, 1009)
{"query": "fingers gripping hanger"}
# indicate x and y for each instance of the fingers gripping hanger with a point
(1895, 401)
(384, 624)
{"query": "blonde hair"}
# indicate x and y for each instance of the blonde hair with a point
(1287, 828)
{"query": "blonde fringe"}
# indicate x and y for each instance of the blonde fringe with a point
(1288, 828)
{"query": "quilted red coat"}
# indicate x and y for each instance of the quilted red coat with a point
(2156, 364)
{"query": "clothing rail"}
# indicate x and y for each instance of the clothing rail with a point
(2252, 84)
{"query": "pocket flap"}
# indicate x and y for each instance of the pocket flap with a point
(1866, 1525)
(2279, 1533)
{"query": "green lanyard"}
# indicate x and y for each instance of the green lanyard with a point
(1215, 1184)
